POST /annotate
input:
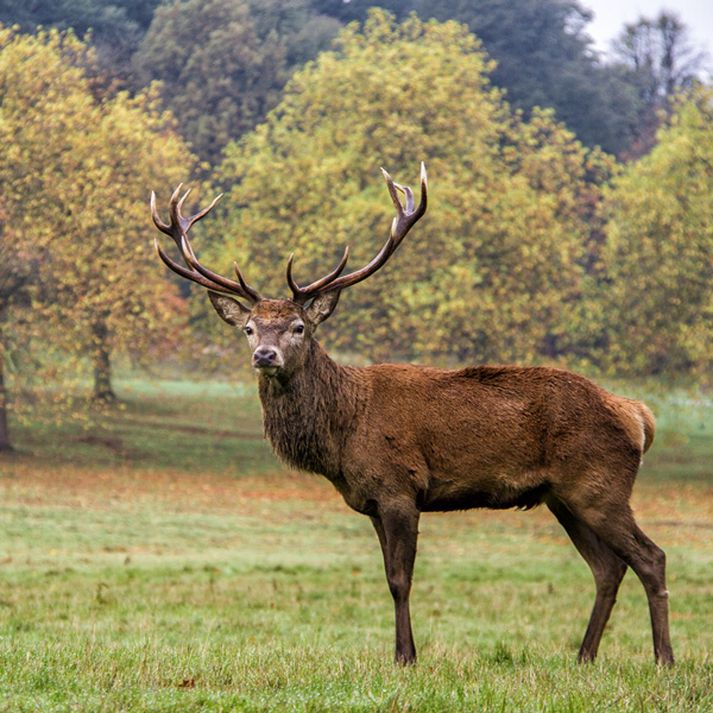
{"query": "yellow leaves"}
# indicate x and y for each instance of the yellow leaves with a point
(659, 251)
(74, 190)
(496, 263)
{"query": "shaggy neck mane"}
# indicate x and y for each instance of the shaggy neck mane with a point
(307, 414)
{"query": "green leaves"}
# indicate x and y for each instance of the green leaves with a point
(522, 255)
(223, 63)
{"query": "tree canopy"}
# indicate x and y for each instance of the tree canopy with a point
(659, 252)
(491, 271)
(534, 247)
(661, 62)
(73, 207)
(222, 65)
(116, 27)
(544, 58)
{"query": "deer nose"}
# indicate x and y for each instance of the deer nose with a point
(265, 356)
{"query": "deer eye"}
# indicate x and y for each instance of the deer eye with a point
(298, 328)
(248, 330)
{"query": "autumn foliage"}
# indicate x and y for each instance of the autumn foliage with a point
(495, 270)
(79, 276)
(659, 253)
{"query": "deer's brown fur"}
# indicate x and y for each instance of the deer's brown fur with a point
(397, 440)
(495, 437)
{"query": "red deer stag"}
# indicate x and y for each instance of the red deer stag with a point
(397, 440)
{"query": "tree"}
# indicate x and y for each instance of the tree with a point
(73, 209)
(491, 272)
(545, 58)
(223, 63)
(659, 254)
(45, 106)
(117, 290)
(359, 9)
(304, 32)
(662, 62)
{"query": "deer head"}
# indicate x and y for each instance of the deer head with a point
(279, 330)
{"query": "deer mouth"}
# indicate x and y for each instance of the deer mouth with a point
(266, 369)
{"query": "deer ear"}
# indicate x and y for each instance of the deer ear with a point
(322, 306)
(229, 309)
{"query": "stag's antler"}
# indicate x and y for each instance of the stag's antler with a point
(177, 230)
(406, 217)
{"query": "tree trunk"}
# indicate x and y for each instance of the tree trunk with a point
(4, 430)
(102, 362)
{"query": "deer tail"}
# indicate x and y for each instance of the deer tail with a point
(637, 420)
(649, 425)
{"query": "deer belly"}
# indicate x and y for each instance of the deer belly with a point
(496, 494)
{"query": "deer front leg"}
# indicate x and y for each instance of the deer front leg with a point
(397, 529)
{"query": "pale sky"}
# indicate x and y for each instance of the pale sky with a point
(610, 16)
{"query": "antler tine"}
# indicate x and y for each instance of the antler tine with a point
(188, 222)
(177, 230)
(404, 220)
(392, 192)
(297, 291)
(182, 200)
(302, 294)
(175, 213)
(227, 285)
(202, 213)
(362, 273)
(406, 190)
(163, 227)
(184, 272)
(423, 203)
(253, 293)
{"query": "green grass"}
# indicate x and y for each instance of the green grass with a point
(195, 426)
(144, 567)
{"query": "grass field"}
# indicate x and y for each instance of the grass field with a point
(162, 560)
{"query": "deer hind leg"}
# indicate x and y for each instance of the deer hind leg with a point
(397, 530)
(614, 524)
(608, 571)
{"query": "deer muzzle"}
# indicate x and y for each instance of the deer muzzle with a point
(267, 359)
